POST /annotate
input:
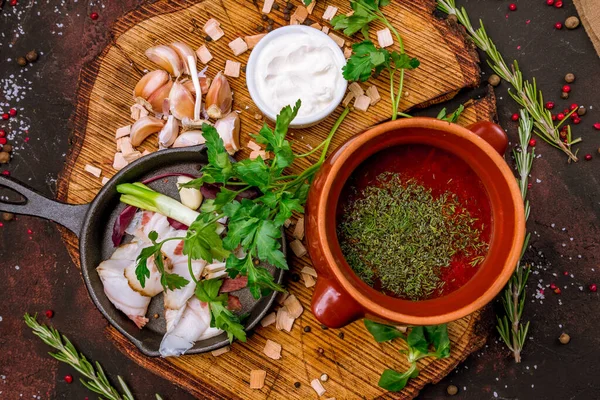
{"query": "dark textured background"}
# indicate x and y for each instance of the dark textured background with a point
(566, 196)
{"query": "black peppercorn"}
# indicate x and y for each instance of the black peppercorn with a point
(260, 28)
(494, 80)
(243, 68)
(296, 385)
(341, 335)
(307, 329)
(308, 22)
(286, 17)
(8, 216)
(264, 17)
(581, 110)
(208, 38)
(275, 6)
(320, 350)
(452, 390)
(21, 61)
(270, 21)
(269, 28)
(564, 95)
(324, 327)
(295, 277)
(286, 11)
(289, 5)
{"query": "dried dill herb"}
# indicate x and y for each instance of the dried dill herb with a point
(397, 236)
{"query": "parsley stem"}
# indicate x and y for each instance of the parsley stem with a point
(191, 270)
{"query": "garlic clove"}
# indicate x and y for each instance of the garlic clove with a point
(157, 98)
(229, 130)
(191, 198)
(189, 138)
(219, 97)
(166, 58)
(168, 134)
(183, 51)
(150, 83)
(204, 85)
(181, 102)
(144, 127)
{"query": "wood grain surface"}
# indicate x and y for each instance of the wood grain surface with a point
(355, 362)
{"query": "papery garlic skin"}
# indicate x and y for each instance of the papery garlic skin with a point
(149, 83)
(229, 130)
(166, 58)
(144, 127)
(219, 97)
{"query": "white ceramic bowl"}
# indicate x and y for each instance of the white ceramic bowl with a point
(251, 72)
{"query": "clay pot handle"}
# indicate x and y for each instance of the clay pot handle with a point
(491, 133)
(332, 306)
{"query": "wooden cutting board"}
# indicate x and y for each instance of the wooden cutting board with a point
(355, 361)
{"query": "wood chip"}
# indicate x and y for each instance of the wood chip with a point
(124, 130)
(280, 299)
(269, 319)
(268, 6)
(119, 161)
(337, 39)
(138, 111)
(356, 89)
(330, 13)
(252, 145)
(297, 246)
(293, 306)
(309, 281)
(348, 52)
(265, 155)
(105, 180)
(311, 7)
(232, 69)
(309, 271)
(316, 25)
(300, 15)
(272, 350)
(204, 54)
(257, 378)
(131, 157)
(253, 40)
(325, 29)
(316, 384)
(238, 46)
(93, 170)
(124, 146)
(349, 97)
(222, 350)
(373, 94)
(299, 230)
(362, 103)
(384, 37)
(287, 223)
(284, 321)
(213, 29)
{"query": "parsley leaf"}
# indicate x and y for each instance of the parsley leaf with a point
(202, 240)
(404, 61)
(395, 381)
(365, 59)
(260, 280)
(167, 280)
(207, 291)
(358, 21)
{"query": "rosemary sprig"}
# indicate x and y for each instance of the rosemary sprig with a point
(97, 381)
(511, 328)
(526, 93)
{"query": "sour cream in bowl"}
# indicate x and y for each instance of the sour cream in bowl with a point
(297, 62)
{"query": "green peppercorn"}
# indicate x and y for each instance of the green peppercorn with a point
(452, 390)
(21, 61)
(570, 78)
(32, 56)
(494, 80)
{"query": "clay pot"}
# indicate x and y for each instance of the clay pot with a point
(340, 297)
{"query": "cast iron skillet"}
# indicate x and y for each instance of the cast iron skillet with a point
(93, 223)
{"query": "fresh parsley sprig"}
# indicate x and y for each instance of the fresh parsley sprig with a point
(366, 59)
(222, 318)
(422, 341)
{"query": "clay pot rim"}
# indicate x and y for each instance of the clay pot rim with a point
(347, 150)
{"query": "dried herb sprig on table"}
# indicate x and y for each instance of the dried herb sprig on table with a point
(419, 340)
(96, 381)
(366, 59)
(527, 95)
(512, 330)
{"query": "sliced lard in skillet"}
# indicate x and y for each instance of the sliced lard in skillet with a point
(178, 264)
(152, 285)
(191, 325)
(145, 222)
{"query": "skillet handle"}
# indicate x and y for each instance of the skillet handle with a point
(68, 215)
